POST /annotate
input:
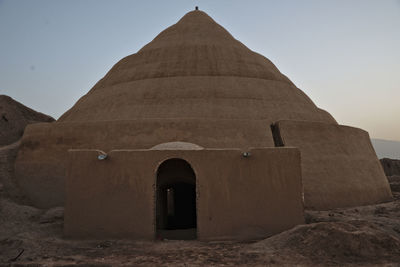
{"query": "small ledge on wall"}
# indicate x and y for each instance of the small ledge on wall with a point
(177, 146)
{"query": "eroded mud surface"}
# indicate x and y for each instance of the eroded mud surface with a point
(368, 235)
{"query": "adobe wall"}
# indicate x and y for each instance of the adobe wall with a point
(42, 158)
(339, 165)
(237, 197)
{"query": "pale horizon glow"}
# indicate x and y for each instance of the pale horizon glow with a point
(345, 55)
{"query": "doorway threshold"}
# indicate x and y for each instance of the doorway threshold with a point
(178, 234)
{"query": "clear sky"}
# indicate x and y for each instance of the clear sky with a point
(344, 54)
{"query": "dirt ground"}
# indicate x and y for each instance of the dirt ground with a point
(362, 236)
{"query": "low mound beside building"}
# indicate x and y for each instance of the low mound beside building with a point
(14, 117)
(391, 166)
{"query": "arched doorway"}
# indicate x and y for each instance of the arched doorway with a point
(176, 200)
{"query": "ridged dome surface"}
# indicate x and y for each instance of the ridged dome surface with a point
(195, 69)
(197, 94)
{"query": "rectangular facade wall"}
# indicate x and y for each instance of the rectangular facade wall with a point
(237, 197)
(43, 156)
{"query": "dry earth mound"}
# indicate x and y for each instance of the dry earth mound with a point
(395, 185)
(14, 117)
(362, 236)
(335, 242)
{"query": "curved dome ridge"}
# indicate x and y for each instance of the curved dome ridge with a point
(195, 46)
(195, 69)
(198, 26)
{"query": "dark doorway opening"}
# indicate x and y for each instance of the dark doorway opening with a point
(176, 200)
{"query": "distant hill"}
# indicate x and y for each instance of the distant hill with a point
(14, 117)
(386, 148)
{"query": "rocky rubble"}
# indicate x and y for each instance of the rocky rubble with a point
(391, 166)
(341, 242)
(392, 171)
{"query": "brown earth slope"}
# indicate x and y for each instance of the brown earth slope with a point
(14, 117)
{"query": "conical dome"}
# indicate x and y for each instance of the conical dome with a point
(197, 94)
(195, 69)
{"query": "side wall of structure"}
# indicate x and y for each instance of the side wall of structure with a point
(339, 165)
(42, 157)
(237, 197)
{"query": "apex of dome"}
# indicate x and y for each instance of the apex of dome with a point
(195, 27)
(196, 17)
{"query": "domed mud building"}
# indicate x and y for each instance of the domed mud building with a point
(195, 136)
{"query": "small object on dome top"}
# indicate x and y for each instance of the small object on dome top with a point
(196, 8)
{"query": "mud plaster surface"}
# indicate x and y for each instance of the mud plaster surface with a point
(361, 236)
